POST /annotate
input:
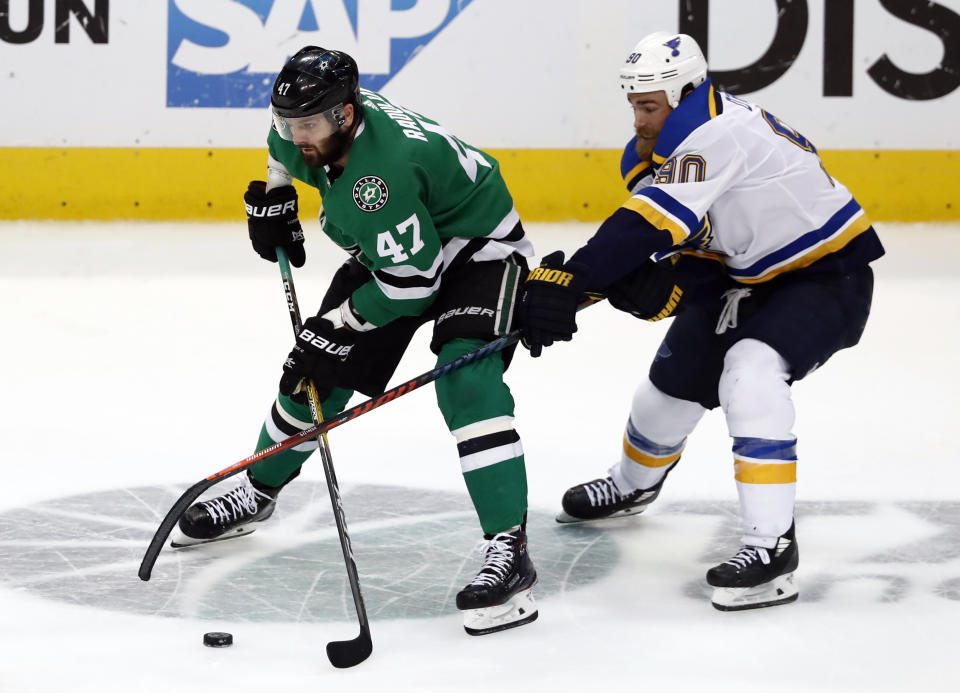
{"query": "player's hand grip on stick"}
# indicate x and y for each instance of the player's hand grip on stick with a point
(552, 294)
(320, 353)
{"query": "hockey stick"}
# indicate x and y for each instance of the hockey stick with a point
(191, 494)
(341, 653)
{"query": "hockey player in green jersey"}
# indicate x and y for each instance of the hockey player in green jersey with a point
(431, 234)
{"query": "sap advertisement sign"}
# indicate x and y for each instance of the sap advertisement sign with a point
(870, 74)
(226, 53)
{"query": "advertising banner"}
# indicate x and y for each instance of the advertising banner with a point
(871, 76)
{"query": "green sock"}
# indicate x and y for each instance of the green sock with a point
(276, 470)
(499, 494)
(491, 456)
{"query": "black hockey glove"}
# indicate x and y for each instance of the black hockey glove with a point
(272, 221)
(651, 292)
(551, 295)
(657, 290)
(320, 354)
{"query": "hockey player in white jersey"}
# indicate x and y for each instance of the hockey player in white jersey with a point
(788, 285)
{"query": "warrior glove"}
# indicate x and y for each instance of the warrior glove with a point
(658, 290)
(551, 295)
(320, 354)
(272, 221)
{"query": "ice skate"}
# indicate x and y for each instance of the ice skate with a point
(600, 499)
(500, 596)
(757, 577)
(233, 514)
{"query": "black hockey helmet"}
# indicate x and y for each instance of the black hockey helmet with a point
(316, 80)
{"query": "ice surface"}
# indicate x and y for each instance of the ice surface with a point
(139, 358)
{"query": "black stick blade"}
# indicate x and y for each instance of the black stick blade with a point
(349, 653)
(170, 521)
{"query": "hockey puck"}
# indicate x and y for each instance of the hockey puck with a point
(217, 639)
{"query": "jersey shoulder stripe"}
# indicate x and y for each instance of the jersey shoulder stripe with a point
(664, 212)
(700, 106)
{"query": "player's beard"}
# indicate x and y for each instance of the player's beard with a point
(645, 146)
(337, 145)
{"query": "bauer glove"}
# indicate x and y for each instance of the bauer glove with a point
(320, 354)
(552, 293)
(272, 221)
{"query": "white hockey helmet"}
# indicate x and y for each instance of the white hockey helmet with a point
(664, 62)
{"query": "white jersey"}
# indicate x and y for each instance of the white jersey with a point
(734, 180)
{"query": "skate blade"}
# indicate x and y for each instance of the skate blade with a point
(780, 590)
(520, 610)
(179, 540)
(565, 518)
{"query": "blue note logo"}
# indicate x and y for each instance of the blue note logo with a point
(226, 53)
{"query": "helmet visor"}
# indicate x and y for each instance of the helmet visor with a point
(313, 127)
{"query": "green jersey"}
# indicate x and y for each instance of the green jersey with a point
(412, 203)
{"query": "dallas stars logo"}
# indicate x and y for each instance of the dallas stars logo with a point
(370, 193)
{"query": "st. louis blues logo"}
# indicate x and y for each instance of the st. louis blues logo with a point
(227, 53)
(674, 45)
(663, 351)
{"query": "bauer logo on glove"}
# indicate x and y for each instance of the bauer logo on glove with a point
(340, 351)
(272, 222)
(276, 210)
(320, 354)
